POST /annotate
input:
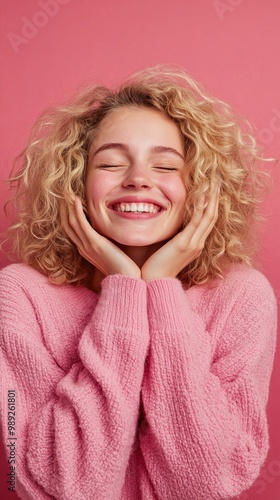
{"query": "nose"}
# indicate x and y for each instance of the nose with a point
(137, 176)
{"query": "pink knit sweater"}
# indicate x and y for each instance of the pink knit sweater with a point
(142, 392)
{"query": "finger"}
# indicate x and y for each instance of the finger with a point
(92, 244)
(77, 236)
(198, 211)
(204, 218)
(214, 195)
(80, 224)
(64, 216)
(84, 224)
(210, 216)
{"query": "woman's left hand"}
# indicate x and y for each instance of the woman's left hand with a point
(187, 245)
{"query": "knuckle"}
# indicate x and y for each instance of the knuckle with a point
(197, 247)
(196, 224)
(88, 247)
(192, 247)
(71, 219)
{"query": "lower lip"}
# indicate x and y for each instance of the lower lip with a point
(137, 215)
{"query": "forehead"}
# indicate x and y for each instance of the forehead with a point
(132, 123)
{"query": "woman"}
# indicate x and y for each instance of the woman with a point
(135, 334)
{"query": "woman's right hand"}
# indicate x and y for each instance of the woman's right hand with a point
(94, 247)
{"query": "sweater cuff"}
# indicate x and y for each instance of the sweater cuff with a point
(123, 302)
(167, 303)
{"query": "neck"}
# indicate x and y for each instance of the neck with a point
(140, 255)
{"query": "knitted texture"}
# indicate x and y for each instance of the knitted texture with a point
(145, 391)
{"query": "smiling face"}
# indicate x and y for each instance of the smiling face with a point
(134, 182)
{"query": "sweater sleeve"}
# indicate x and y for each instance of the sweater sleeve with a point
(74, 430)
(206, 434)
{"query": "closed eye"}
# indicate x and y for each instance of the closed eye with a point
(112, 165)
(107, 165)
(166, 168)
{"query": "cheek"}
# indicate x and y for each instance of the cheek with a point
(176, 192)
(96, 189)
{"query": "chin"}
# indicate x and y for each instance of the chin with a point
(134, 242)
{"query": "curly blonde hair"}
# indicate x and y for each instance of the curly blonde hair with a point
(55, 162)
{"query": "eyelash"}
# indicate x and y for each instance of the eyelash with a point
(106, 165)
(166, 168)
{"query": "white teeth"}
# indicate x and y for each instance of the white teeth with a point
(136, 207)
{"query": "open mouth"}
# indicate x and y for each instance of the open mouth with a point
(137, 208)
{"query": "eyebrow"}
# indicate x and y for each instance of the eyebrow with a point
(124, 147)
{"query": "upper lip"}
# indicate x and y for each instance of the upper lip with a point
(135, 199)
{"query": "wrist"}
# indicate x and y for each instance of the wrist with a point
(132, 273)
(148, 276)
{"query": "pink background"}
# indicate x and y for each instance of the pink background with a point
(50, 47)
